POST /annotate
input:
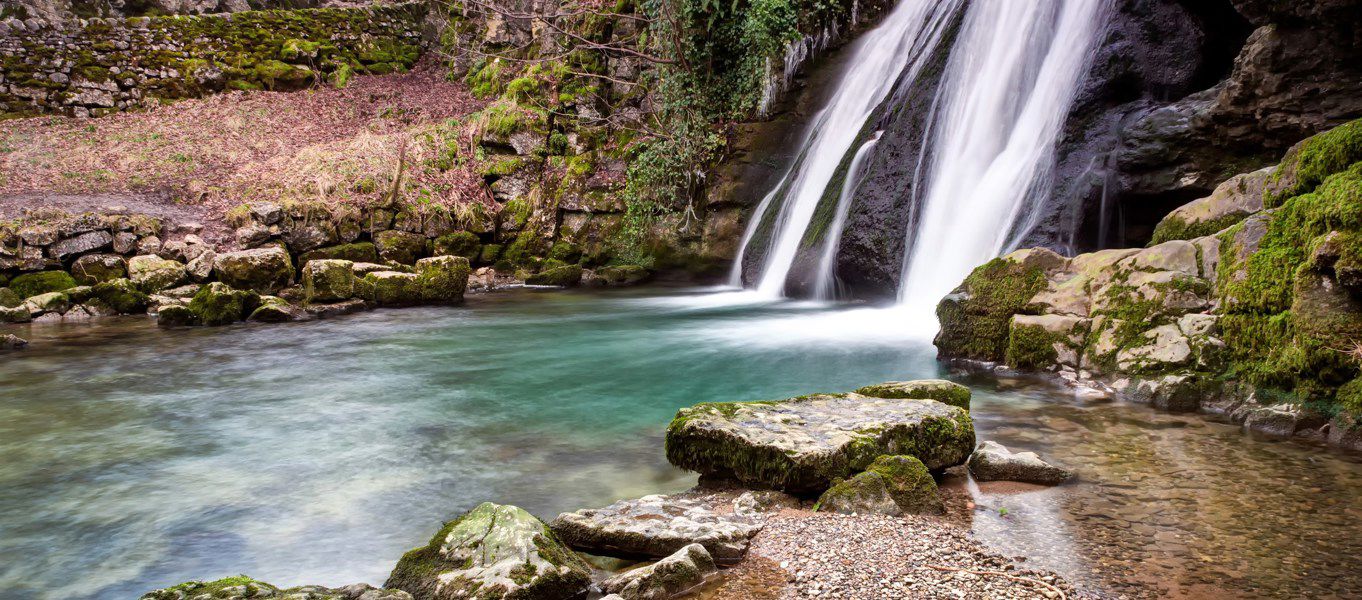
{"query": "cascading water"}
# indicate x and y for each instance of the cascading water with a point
(909, 32)
(825, 284)
(1008, 87)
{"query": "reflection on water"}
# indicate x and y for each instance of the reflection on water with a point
(318, 452)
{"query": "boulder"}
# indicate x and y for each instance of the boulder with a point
(893, 485)
(622, 275)
(51, 302)
(152, 273)
(81, 244)
(665, 578)
(803, 444)
(657, 526)
(947, 392)
(356, 252)
(442, 279)
(242, 587)
(493, 552)
(16, 314)
(274, 309)
(400, 246)
(175, 315)
(994, 462)
(1230, 203)
(564, 276)
(459, 243)
(9, 299)
(328, 280)
(121, 295)
(220, 304)
(390, 288)
(98, 268)
(336, 309)
(201, 268)
(32, 284)
(262, 270)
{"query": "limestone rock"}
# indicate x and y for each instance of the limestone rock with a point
(81, 244)
(356, 252)
(947, 392)
(803, 444)
(664, 579)
(32, 284)
(390, 288)
(328, 280)
(121, 295)
(400, 246)
(263, 270)
(51, 302)
(459, 243)
(274, 309)
(243, 588)
(1230, 203)
(200, 269)
(220, 304)
(152, 273)
(622, 275)
(657, 526)
(892, 485)
(9, 341)
(499, 552)
(97, 268)
(336, 309)
(175, 315)
(564, 276)
(994, 462)
(442, 279)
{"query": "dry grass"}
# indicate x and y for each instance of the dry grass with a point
(335, 145)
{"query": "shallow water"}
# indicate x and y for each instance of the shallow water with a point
(132, 458)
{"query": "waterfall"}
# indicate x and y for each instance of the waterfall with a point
(910, 31)
(1008, 86)
(825, 286)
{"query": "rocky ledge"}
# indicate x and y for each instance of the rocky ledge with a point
(1250, 305)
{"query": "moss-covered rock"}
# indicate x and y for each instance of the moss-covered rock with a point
(1309, 163)
(947, 392)
(51, 302)
(220, 304)
(357, 252)
(459, 243)
(273, 309)
(390, 288)
(666, 578)
(561, 275)
(974, 318)
(175, 315)
(892, 485)
(98, 268)
(9, 299)
(400, 246)
(1230, 203)
(328, 280)
(493, 552)
(262, 270)
(121, 295)
(442, 279)
(43, 282)
(152, 273)
(803, 444)
(623, 275)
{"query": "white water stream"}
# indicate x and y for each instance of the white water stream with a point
(1009, 82)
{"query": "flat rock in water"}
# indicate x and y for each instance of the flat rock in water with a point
(658, 526)
(994, 462)
(803, 444)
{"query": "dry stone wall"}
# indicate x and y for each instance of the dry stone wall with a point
(97, 66)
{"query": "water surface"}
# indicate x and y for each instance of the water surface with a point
(133, 458)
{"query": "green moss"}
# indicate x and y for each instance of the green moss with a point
(121, 295)
(33, 284)
(975, 324)
(356, 252)
(219, 304)
(1315, 160)
(1174, 228)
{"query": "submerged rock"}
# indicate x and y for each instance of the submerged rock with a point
(9, 341)
(994, 462)
(664, 579)
(893, 485)
(657, 526)
(242, 587)
(803, 444)
(493, 552)
(940, 390)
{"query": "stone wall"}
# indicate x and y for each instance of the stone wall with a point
(97, 66)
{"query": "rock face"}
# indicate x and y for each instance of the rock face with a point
(994, 462)
(1182, 324)
(658, 526)
(243, 588)
(492, 552)
(892, 485)
(1230, 203)
(803, 444)
(262, 270)
(943, 391)
(665, 578)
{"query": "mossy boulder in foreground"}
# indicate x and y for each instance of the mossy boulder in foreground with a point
(940, 390)
(242, 587)
(994, 462)
(892, 485)
(492, 552)
(804, 444)
(328, 280)
(44, 282)
(442, 279)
